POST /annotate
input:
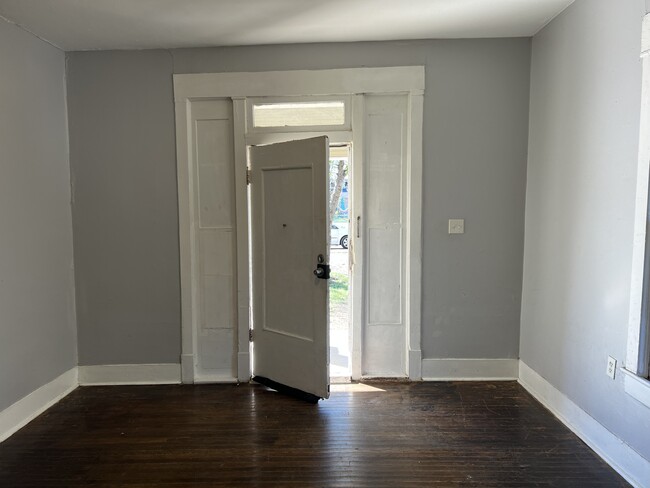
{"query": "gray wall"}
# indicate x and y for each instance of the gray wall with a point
(37, 324)
(125, 217)
(584, 126)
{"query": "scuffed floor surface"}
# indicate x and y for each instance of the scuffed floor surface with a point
(478, 434)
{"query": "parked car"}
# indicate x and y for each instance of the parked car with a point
(339, 235)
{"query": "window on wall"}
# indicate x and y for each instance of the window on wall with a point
(637, 367)
(643, 364)
(295, 114)
(298, 114)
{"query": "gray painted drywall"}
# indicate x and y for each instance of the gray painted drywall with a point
(37, 325)
(584, 127)
(125, 217)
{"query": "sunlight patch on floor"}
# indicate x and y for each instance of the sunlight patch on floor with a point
(353, 388)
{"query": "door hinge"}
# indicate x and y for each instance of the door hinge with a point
(248, 176)
(250, 335)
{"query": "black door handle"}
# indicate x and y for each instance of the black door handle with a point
(322, 270)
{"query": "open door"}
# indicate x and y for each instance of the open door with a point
(290, 252)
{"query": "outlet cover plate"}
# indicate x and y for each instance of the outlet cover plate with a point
(456, 226)
(611, 367)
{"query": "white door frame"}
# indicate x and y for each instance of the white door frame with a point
(238, 87)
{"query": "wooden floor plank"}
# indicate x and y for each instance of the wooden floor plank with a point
(479, 434)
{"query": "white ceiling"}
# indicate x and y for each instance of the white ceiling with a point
(141, 24)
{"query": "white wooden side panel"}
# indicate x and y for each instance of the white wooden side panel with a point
(384, 276)
(384, 352)
(216, 265)
(384, 334)
(214, 199)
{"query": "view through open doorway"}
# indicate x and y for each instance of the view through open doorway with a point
(339, 283)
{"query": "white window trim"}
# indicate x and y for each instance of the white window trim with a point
(635, 385)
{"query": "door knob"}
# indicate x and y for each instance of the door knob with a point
(322, 270)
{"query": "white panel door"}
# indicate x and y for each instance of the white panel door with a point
(289, 200)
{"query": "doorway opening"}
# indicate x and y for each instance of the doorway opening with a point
(340, 331)
(219, 115)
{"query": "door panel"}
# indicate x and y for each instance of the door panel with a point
(288, 237)
(214, 240)
(384, 294)
(289, 200)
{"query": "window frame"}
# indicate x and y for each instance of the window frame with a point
(637, 367)
(643, 355)
(250, 102)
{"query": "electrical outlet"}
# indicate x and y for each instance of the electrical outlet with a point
(611, 367)
(456, 226)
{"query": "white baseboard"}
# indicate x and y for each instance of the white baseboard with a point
(130, 374)
(625, 460)
(31, 406)
(470, 369)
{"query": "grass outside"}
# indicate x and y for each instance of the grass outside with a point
(338, 288)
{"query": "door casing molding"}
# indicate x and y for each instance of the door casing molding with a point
(354, 82)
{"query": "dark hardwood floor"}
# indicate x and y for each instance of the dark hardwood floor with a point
(479, 434)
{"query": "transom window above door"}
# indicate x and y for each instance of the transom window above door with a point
(298, 114)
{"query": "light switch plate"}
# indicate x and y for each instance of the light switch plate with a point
(456, 226)
(611, 367)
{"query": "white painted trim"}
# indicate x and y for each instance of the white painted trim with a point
(356, 251)
(215, 378)
(244, 366)
(189, 300)
(406, 79)
(414, 236)
(415, 365)
(187, 368)
(625, 460)
(637, 387)
(242, 238)
(239, 86)
(16, 416)
(645, 36)
(470, 369)
(130, 374)
(640, 216)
